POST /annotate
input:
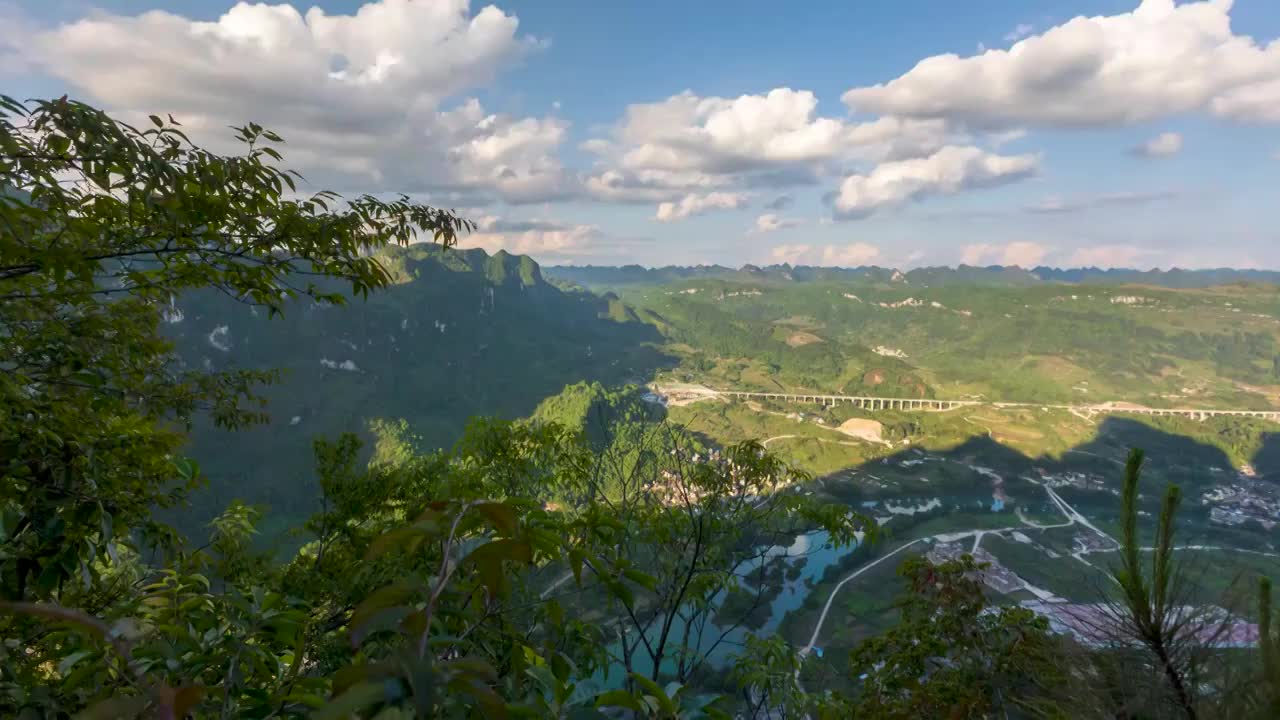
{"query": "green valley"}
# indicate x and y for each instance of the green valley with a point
(266, 454)
(632, 366)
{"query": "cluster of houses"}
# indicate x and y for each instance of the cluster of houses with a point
(1244, 501)
(1097, 624)
(1100, 625)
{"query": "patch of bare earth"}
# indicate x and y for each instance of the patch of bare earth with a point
(1269, 393)
(680, 394)
(802, 338)
(862, 429)
(1122, 405)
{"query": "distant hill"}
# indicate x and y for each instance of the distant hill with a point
(604, 276)
(594, 410)
(1173, 278)
(461, 333)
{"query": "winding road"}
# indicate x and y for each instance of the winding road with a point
(1072, 517)
(813, 640)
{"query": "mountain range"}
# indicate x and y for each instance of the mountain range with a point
(1011, 275)
(461, 333)
(464, 333)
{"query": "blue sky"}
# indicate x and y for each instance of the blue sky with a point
(732, 132)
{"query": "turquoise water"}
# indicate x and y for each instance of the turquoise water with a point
(720, 645)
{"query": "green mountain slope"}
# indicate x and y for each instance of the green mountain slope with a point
(606, 277)
(462, 333)
(594, 410)
(1085, 343)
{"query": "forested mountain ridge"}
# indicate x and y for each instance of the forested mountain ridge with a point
(540, 568)
(460, 333)
(463, 333)
(605, 276)
(1162, 347)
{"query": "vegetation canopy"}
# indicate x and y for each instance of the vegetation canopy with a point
(609, 555)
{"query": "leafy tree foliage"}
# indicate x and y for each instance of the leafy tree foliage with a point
(595, 410)
(101, 225)
(695, 524)
(537, 569)
(952, 654)
(1269, 642)
(1162, 652)
(768, 672)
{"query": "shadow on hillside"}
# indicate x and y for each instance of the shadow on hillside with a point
(1088, 476)
(435, 352)
(1169, 457)
(1266, 462)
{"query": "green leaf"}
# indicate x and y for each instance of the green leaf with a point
(488, 559)
(576, 558)
(68, 662)
(665, 703)
(619, 698)
(501, 515)
(545, 679)
(311, 700)
(377, 621)
(562, 666)
(645, 580)
(620, 591)
(352, 702)
(114, 708)
(404, 538)
(186, 467)
(381, 599)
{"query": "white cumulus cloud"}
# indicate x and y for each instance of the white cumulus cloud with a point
(550, 239)
(1256, 102)
(689, 143)
(1022, 253)
(949, 170)
(369, 100)
(711, 134)
(1019, 31)
(851, 255)
(1161, 59)
(770, 222)
(1162, 145)
(1108, 256)
(691, 205)
(532, 237)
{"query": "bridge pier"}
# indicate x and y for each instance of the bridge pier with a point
(864, 402)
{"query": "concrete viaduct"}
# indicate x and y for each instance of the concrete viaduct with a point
(929, 405)
(866, 403)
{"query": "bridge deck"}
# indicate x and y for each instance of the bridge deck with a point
(872, 402)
